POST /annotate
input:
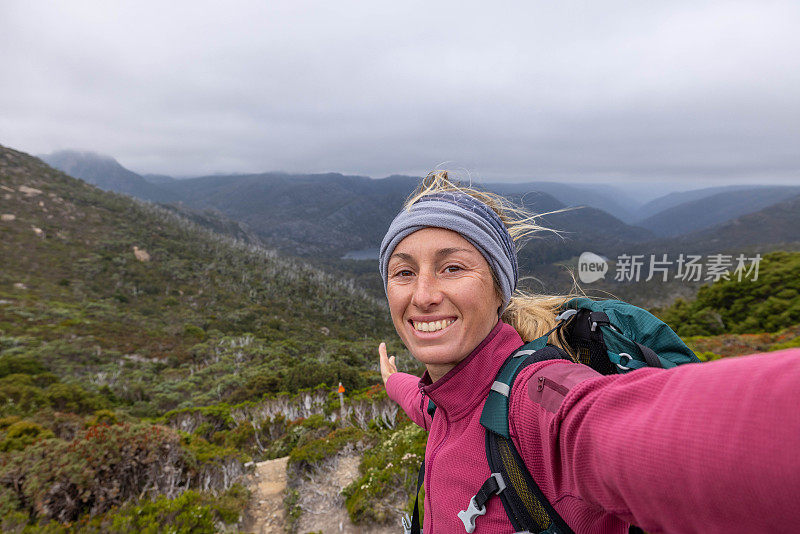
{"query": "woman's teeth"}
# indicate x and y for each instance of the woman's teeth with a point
(432, 326)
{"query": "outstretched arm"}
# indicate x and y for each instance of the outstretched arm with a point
(403, 389)
(700, 448)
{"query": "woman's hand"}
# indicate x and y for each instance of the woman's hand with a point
(388, 367)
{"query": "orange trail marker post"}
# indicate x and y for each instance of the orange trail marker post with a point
(341, 401)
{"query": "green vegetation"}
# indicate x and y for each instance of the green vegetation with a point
(315, 451)
(49, 476)
(292, 509)
(205, 319)
(713, 347)
(19, 434)
(191, 512)
(388, 475)
(769, 304)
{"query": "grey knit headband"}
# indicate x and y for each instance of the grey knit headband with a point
(474, 220)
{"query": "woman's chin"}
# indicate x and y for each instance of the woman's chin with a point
(438, 356)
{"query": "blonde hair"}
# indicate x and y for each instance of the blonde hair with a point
(531, 315)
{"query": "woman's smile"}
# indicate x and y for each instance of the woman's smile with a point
(431, 327)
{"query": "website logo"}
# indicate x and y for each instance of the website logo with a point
(591, 267)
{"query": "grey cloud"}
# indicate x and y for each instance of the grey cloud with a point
(574, 91)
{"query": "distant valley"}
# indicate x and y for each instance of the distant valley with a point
(336, 221)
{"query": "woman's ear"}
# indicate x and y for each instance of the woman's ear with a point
(498, 297)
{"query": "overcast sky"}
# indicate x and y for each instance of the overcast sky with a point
(692, 92)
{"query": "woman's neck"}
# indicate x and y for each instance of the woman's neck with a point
(437, 371)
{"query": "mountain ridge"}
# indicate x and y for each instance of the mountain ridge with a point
(106, 173)
(718, 207)
(322, 217)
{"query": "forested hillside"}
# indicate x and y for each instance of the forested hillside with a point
(119, 321)
(768, 304)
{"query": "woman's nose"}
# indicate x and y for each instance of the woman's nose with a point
(427, 292)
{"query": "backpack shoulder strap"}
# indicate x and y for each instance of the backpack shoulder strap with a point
(526, 506)
(494, 416)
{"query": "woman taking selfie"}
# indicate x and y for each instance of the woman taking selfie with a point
(698, 448)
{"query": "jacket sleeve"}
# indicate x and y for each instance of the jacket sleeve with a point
(706, 447)
(403, 388)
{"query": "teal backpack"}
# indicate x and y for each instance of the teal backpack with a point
(610, 336)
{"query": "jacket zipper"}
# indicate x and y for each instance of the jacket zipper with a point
(424, 410)
(555, 386)
(429, 466)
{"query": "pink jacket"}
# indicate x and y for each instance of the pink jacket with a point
(705, 448)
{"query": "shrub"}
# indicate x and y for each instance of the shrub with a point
(186, 514)
(204, 421)
(707, 356)
(389, 472)
(193, 331)
(312, 374)
(791, 344)
(19, 364)
(21, 434)
(19, 395)
(65, 425)
(12, 519)
(203, 451)
(298, 434)
(73, 398)
(192, 511)
(291, 498)
(102, 467)
(103, 417)
(6, 422)
(319, 449)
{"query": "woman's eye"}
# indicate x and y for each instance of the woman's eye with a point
(404, 272)
(452, 268)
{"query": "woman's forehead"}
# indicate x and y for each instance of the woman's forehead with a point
(433, 241)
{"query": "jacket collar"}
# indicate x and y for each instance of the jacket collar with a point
(467, 384)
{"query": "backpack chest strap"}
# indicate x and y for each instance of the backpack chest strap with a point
(494, 485)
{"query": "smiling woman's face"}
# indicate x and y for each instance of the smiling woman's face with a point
(441, 297)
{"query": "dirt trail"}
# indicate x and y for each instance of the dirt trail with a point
(265, 511)
(320, 499)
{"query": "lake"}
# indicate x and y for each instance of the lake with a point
(363, 254)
